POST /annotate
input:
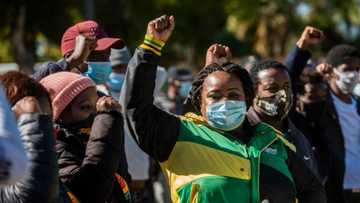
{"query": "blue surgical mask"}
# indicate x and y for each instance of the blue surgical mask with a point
(226, 115)
(185, 88)
(98, 71)
(115, 83)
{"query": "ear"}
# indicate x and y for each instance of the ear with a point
(12, 91)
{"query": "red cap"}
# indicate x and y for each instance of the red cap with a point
(89, 29)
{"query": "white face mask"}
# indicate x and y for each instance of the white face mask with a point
(346, 81)
(356, 90)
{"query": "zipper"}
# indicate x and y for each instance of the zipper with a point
(258, 165)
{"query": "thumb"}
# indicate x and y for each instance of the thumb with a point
(228, 53)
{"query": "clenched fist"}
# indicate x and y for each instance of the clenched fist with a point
(218, 54)
(310, 36)
(161, 28)
(108, 104)
(26, 105)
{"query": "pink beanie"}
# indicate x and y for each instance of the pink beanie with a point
(63, 87)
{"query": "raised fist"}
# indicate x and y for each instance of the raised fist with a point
(218, 54)
(161, 28)
(26, 105)
(83, 47)
(108, 104)
(310, 36)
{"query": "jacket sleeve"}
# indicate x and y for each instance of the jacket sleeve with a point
(296, 62)
(308, 187)
(91, 179)
(13, 159)
(154, 130)
(41, 183)
(49, 68)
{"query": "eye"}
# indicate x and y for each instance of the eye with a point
(214, 96)
(86, 107)
(233, 96)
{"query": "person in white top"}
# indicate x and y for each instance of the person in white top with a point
(339, 124)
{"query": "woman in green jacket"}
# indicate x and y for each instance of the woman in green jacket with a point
(213, 154)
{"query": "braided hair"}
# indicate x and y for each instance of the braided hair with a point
(197, 85)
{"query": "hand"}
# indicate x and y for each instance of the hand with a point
(83, 47)
(108, 104)
(324, 69)
(310, 36)
(218, 54)
(26, 105)
(161, 28)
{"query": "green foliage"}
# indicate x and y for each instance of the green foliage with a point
(198, 23)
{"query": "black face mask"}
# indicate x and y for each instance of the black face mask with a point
(276, 106)
(83, 126)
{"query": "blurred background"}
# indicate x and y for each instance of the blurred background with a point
(30, 31)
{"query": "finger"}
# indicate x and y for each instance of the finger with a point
(172, 23)
(212, 48)
(100, 101)
(228, 53)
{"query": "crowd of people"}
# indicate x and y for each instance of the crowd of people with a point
(101, 125)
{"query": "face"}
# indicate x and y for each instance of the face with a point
(274, 87)
(220, 86)
(95, 56)
(81, 107)
(342, 78)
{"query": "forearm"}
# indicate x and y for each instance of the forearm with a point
(51, 68)
(41, 182)
(153, 129)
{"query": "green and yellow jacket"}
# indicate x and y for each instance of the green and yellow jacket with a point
(202, 164)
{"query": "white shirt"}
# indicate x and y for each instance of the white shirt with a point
(350, 126)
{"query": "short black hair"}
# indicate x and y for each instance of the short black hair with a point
(339, 54)
(264, 65)
(237, 70)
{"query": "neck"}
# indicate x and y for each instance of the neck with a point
(336, 91)
(241, 134)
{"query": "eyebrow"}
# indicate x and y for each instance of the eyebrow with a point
(233, 88)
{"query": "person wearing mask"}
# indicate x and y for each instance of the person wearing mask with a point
(90, 140)
(336, 118)
(178, 87)
(85, 48)
(215, 155)
(119, 59)
(13, 160)
(339, 121)
(272, 103)
(31, 104)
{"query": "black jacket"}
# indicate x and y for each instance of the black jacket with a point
(331, 138)
(88, 162)
(304, 149)
(41, 184)
(320, 121)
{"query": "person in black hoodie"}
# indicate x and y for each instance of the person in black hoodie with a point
(90, 139)
(31, 104)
